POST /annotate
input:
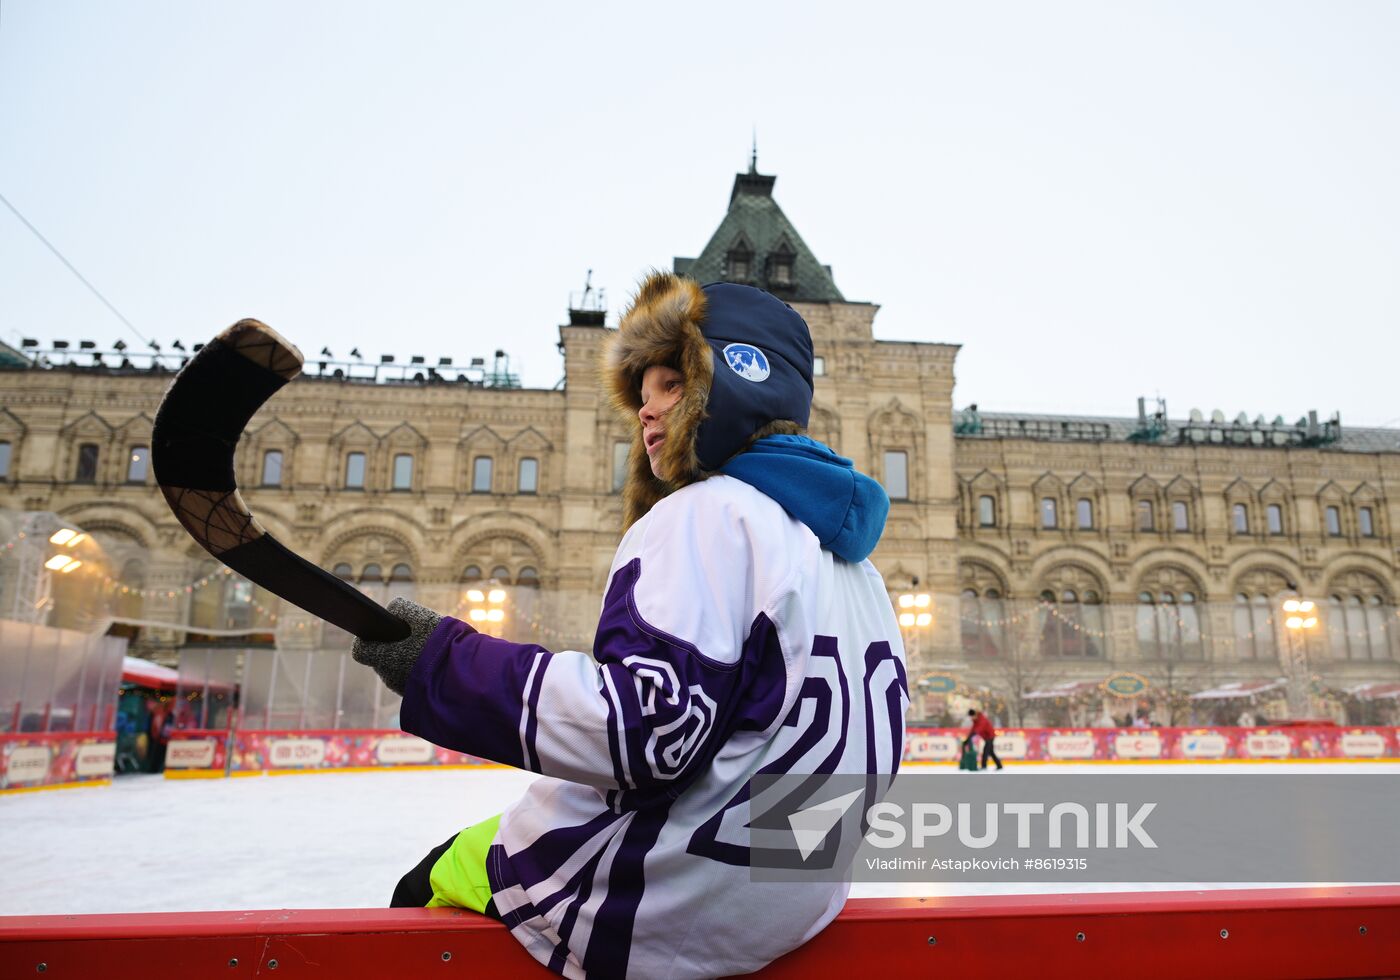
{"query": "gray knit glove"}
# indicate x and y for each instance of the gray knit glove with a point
(393, 662)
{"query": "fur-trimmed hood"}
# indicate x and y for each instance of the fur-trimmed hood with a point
(746, 360)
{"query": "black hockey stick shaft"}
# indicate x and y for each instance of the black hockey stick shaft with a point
(197, 428)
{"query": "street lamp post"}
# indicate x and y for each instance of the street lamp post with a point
(914, 619)
(488, 608)
(1300, 616)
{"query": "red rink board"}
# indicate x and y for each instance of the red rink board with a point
(1325, 932)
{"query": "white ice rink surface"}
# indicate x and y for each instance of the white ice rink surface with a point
(332, 840)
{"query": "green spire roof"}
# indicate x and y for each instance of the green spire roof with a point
(757, 244)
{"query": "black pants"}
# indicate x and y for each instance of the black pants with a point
(988, 751)
(415, 889)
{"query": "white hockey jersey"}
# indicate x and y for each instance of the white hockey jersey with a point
(730, 641)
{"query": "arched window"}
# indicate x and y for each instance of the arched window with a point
(1147, 519)
(1273, 514)
(1240, 517)
(1366, 522)
(1334, 522)
(1181, 516)
(401, 573)
(272, 468)
(1357, 618)
(354, 471)
(223, 602)
(128, 591)
(343, 571)
(87, 463)
(619, 467)
(138, 462)
(500, 574)
(372, 574)
(983, 623)
(472, 573)
(528, 577)
(529, 476)
(897, 474)
(1049, 515)
(1257, 623)
(1084, 514)
(1168, 619)
(481, 474)
(1071, 614)
(403, 471)
(987, 510)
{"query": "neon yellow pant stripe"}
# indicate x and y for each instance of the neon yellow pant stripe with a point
(459, 877)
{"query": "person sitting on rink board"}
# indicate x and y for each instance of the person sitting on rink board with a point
(742, 629)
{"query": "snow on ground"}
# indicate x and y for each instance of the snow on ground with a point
(331, 840)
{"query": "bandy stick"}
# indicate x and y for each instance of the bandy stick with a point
(197, 427)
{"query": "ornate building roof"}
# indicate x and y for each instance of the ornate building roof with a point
(757, 244)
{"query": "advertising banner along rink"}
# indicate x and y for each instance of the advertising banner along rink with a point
(32, 761)
(929, 745)
(203, 752)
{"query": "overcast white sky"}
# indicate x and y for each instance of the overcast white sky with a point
(1098, 200)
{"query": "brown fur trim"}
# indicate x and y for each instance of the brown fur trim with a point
(661, 326)
(780, 427)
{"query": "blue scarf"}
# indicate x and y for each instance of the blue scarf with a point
(845, 509)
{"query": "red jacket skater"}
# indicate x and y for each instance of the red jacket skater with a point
(982, 726)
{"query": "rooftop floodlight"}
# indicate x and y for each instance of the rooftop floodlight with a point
(386, 358)
(355, 352)
(87, 345)
(60, 345)
(444, 362)
(155, 346)
(177, 345)
(197, 348)
(326, 352)
(478, 362)
(416, 359)
(29, 342)
(119, 345)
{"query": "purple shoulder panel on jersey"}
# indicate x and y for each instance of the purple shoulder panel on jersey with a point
(467, 692)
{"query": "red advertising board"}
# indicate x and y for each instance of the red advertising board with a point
(202, 752)
(36, 761)
(928, 745)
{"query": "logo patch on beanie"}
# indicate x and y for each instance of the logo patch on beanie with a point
(747, 361)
